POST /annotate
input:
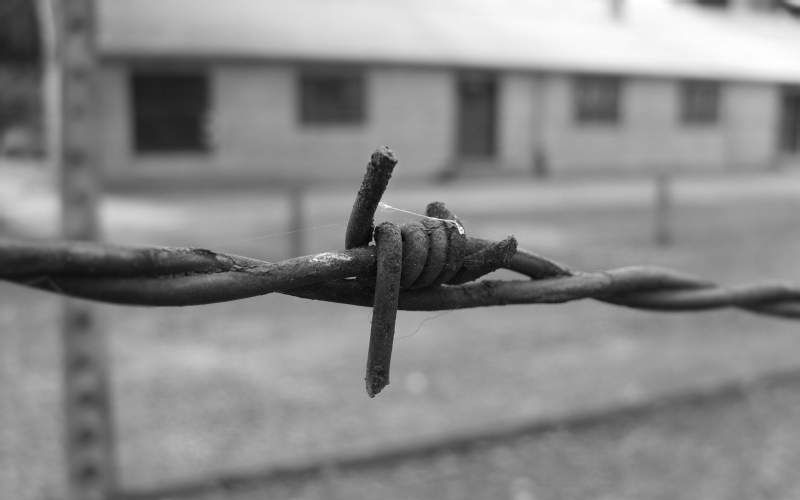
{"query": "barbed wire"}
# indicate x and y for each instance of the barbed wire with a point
(430, 265)
(162, 276)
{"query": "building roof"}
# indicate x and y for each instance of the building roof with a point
(652, 37)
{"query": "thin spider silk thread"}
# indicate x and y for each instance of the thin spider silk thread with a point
(343, 225)
(382, 205)
(386, 206)
(267, 236)
(459, 227)
(278, 234)
(272, 235)
(422, 323)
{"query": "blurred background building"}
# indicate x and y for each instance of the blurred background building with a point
(262, 90)
(289, 89)
(240, 92)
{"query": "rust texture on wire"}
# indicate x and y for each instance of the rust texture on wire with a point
(427, 265)
(164, 276)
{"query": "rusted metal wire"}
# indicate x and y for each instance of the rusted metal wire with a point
(379, 171)
(437, 263)
(389, 249)
(164, 276)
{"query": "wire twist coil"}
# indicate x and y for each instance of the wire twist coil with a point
(159, 276)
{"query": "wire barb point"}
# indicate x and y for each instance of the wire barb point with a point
(424, 266)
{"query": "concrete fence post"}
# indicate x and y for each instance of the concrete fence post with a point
(88, 437)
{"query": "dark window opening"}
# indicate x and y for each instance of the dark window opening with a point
(713, 3)
(332, 97)
(700, 102)
(790, 120)
(170, 112)
(477, 115)
(597, 99)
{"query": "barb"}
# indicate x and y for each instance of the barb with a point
(162, 276)
(430, 265)
(379, 171)
(389, 249)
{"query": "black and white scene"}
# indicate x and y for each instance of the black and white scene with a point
(399, 249)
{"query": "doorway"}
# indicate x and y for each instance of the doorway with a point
(790, 121)
(477, 115)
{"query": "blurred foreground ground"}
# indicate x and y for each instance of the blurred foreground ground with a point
(270, 381)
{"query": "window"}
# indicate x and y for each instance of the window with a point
(331, 96)
(477, 114)
(700, 102)
(597, 99)
(790, 120)
(169, 112)
(713, 3)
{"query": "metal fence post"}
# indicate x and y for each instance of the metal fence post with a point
(87, 420)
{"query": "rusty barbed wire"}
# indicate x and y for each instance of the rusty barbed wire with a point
(166, 276)
(434, 263)
(163, 276)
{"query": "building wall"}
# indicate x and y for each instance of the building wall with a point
(256, 134)
(115, 113)
(752, 125)
(410, 110)
(650, 135)
(516, 119)
(255, 131)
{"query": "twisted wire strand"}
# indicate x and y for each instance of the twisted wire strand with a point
(438, 269)
(162, 276)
